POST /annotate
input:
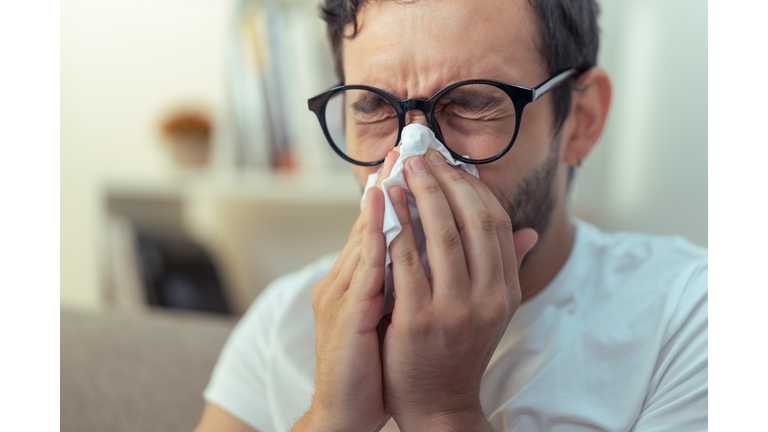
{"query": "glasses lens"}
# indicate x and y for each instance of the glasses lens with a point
(362, 124)
(476, 120)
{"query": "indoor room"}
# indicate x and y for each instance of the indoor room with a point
(193, 175)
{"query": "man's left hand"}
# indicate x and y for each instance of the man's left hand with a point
(444, 329)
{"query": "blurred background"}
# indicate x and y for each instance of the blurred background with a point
(184, 123)
(192, 173)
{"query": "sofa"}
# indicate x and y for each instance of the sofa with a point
(137, 371)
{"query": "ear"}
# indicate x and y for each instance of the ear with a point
(590, 101)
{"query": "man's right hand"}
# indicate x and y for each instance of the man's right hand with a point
(347, 304)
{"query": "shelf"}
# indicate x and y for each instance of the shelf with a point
(319, 187)
(316, 188)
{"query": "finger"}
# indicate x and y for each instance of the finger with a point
(351, 252)
(355, 236)
(368, 277)
(444, 248)
(525, 239)
(413, 290)
(511, 257)
(474, 221)
(389, 163)
(349, 266)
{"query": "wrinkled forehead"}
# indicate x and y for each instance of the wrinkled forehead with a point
(414, 49)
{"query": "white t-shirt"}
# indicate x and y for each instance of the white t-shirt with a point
(616, 342)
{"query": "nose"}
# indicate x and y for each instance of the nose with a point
(415, 116)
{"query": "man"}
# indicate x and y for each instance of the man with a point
(595, 331)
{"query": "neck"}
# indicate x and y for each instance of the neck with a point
(546, 259)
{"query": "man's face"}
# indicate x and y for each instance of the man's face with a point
(412, 50)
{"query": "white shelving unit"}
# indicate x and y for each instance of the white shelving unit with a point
(259, 226)
(259, 223)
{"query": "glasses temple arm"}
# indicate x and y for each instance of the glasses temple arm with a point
(551, 83)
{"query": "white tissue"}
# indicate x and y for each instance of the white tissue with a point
(415, 139)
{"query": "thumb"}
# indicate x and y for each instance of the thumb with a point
(524, 240)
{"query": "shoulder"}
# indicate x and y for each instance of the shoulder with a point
(628, 315)
(637, 250)
(650, 282)
(656, 289)
(657, 265)
(655, 283)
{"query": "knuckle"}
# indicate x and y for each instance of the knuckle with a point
(462, 318)
(421, 322)
(484, 222)
(362, 264)
(317, 295)
(407, 256)
(405, 221)
(453, 175)
(357, 228)
(504, 222)
(448, 237)
(431, 187)
(495, 310)
(356, 239)
(499, 308)
(460, 225)
(364, 227)
(370, 262)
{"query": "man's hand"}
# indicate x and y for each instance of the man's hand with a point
(347, 304)
(444, 329)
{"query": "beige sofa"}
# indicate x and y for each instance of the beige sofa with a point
(137, 371)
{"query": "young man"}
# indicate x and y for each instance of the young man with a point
(595, 331)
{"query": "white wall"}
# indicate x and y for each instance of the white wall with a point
(123, 63)
(649, 173)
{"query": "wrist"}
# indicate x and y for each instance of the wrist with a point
(472, 419)
(320, 419)
(315, 419)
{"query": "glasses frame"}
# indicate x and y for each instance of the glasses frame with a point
(520, 96)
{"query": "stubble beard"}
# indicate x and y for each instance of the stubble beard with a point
(531, 205)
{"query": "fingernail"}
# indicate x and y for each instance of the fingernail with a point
(436, 158)
(417, 164)
(395, 195)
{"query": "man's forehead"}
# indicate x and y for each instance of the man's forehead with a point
(419, 47)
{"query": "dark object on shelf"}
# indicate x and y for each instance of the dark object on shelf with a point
(180, 274)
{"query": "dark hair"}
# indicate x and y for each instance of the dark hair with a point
(569, 38)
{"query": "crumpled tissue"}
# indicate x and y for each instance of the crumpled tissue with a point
(415, 139)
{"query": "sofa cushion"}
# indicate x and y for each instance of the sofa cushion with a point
(137, 371)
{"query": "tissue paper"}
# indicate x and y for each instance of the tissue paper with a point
(415, 139)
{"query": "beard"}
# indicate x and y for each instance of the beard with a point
(532, 203)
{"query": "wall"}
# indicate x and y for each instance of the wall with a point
(122, 64)
(649, 172)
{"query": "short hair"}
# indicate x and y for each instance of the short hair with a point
(569, 39)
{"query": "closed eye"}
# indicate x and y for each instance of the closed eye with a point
(480, 101)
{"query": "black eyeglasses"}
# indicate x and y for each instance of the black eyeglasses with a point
(477, 120)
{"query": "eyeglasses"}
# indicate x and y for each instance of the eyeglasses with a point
(477, 120)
